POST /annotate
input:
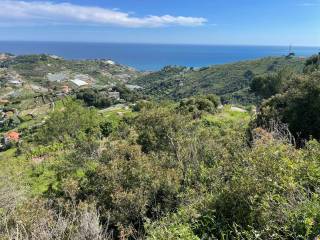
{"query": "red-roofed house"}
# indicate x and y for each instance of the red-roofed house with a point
(8, 140)
(12, 136)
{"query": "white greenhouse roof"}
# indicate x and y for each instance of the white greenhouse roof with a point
(79, 82)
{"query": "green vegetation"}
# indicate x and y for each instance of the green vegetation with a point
(35, 68)
(94, 97)
(199, 105)
(268, 85)
(186, 169)
(71, 121)
(29, 81)
(296, 102)
(230, 81)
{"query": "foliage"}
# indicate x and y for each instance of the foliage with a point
(35, 68)
(39, 220)
(266, 86)
(161, 174)
(93, 97)
(298, 106)
(157, 128)
(170, 170)
(10, 123)
(229, 81)
(199, 104)
(69, 122)
(312, 64)
(163, 231)
(142, 104)
(127, 94)
(106, 128)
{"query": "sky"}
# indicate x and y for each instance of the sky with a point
(227, 22)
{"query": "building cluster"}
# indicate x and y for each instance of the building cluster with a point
(12, 79)
(9, 138)
(5, 56)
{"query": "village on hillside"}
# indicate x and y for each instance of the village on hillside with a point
(31, 85)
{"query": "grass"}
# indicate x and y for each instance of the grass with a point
(15, 169)
(116, 113)
(226, 119)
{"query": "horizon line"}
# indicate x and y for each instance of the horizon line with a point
(159, 43)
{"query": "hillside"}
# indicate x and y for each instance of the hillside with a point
(39, 68)
(30, 75)
(230, 81)
(141, 169)
(42, 73)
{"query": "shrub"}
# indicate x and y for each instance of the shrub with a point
(298, 107)
(69, 122)
(93, 97)
(198, 105)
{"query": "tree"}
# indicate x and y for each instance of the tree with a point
(106, 128)
(157, 127)
(93, 97)
(69, 122)
(312, 64)
(268, 85)
(298, 107)
(199, 104)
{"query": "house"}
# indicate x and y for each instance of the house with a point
(65, 89)
(12, 136)
(15, 82)
(13, 78)
(9, 139)
(84, 77)
(56, 57)
(114, 95)
(110, 62)
(4, 101)
(133, 87)
(5, 56)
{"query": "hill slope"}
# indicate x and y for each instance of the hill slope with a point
(230, 81)
(28, 76)
(41, 69)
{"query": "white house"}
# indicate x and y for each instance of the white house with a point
(110, 62)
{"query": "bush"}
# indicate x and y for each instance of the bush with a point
(265, 197)
(69, 123)
(266, 86)
(93, 97)
(137, 187)
(40, 221)
(198, 105)
(157, 128)
(164, 231)
(312, 64)
(106, 128)
(143, 104)
(298, 107)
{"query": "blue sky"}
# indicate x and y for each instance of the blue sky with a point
(243, 22)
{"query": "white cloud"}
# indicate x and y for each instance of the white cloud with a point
(310, 4)
(43, 12)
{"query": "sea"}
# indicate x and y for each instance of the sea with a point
(153, 56)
